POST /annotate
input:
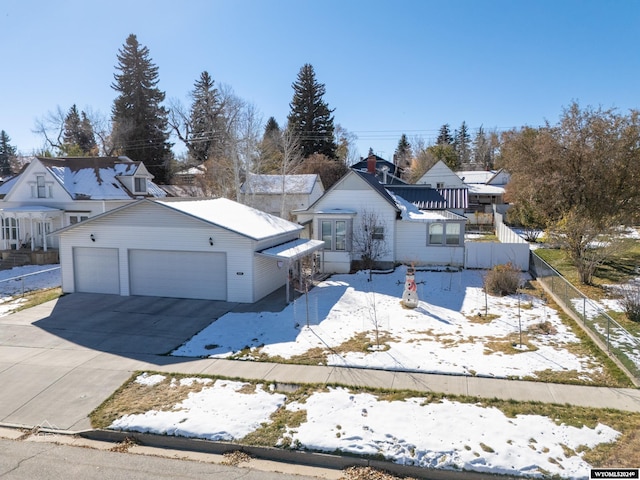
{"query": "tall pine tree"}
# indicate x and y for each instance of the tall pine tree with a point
(462, 142)
(140, 123)
(205, 137)
(403, 154)
(310, 117)
(444, 135)
(7, 152)
(78, 136)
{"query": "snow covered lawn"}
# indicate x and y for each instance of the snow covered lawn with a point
(29, 278)
(418, 431)
(448, 332)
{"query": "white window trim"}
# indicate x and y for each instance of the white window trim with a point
(445, 235)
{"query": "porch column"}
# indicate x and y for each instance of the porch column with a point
(44, 234)
(33, 237)
(5, 231)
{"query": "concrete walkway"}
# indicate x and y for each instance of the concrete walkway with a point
(60, 360)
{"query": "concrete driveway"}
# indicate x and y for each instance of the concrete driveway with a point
(60, 360)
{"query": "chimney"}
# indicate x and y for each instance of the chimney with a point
(371, 164)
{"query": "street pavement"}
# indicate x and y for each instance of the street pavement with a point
(62, 359)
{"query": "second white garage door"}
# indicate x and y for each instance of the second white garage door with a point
(160, 273)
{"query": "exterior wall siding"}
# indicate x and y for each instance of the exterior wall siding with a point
(267, 276)
(411, 247)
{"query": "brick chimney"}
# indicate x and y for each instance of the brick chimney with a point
(371, 164)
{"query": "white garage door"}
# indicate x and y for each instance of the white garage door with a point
(178, 274)
(96, 270)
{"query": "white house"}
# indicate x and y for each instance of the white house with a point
(214, 249)
(51, 193)
(281, 194)
(410, 235)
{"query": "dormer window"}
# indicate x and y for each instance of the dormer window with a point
(140, 185)
(41, 187)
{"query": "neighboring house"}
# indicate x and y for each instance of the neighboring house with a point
(51, 193)
(483, 189)
(281, 194)
(434, 237)
(189, 176)
(486, 188)
(214, 249)
(386, 172)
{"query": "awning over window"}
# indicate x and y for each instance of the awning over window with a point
(294, 249)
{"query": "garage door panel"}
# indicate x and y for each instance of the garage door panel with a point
(96, 270)
(178, 274)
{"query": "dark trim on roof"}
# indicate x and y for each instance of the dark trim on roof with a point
(378, 187)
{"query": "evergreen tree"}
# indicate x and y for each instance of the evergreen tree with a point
(403, 154)
(482, 150)
(7, 151)
(271, 149)
(139, 121)
(204, 139)
(78, 135)
(462, 144)
(444, 135)
(310, 117)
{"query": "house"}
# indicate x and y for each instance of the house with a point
(214, 249)
(281, 194)
(386, 172)
(51, 193)
(409, 235)
(483, 189)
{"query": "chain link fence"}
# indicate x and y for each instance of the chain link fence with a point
(618, 342)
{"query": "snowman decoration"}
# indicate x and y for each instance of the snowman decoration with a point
(410, 294)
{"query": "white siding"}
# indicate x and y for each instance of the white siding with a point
(267, 277)
(411, 247)
(360, 201)
(440, 173)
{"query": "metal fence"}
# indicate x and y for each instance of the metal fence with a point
(19, 285)
(618, 342)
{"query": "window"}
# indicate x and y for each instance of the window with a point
(140, 185)
(440, 185)
(378, 233)
(73, 219)
(444, 234)
(334, 234)
(41, 187)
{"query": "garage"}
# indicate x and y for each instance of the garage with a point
(162, 273)
(96, 270)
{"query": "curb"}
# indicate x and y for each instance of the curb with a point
(297, 457)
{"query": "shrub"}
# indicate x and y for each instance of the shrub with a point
(502, 280)
(630, 302)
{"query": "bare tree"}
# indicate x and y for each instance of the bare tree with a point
(291, 161)
(51, 127)
(369, 240)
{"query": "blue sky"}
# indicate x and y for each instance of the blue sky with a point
(389, 67)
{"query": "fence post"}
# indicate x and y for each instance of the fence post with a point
(608, 333)
(584, 310)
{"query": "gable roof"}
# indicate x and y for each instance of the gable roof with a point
(378, 187)
(95, 178)
(221, 212)
(91, 178)
(272, 184)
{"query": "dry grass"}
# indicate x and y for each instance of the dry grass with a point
(37, 297)
(134, 398)
(235, 458)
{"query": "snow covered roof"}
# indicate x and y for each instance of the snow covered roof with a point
(294, 249)
(486, 189)
(95, 178)
(410, 212)
(272, 184)
(234, 216)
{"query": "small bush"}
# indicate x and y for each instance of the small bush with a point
(630, 302)
(502, 280)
